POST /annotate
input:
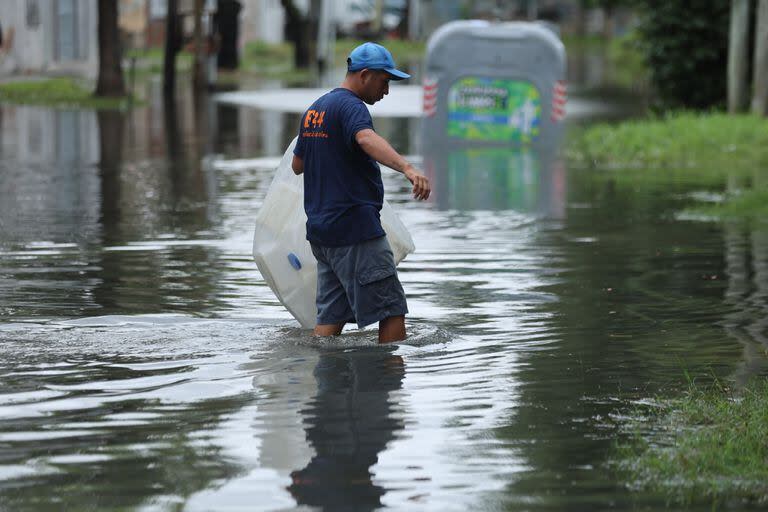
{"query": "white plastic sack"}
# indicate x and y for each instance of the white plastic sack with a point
(282, 252)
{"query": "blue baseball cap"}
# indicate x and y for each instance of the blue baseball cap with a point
(374, 56)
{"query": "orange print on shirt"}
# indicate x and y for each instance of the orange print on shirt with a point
(314, 118)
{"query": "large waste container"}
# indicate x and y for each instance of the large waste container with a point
(493, 84)
(494, 103)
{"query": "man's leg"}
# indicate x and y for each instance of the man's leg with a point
(328, 329)
(376, 294)
(333, 309)
(392, 329)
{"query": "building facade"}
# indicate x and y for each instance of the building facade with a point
(49, 36)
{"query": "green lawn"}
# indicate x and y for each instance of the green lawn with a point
(58, 92)
(150, 61)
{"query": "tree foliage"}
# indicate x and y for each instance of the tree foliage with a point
(686, 48)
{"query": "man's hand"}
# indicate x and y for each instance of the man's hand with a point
(420, 182)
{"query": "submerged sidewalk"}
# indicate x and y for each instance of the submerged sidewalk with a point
(402, 101)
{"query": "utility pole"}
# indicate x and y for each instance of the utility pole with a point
(760, 68)
(738, 61)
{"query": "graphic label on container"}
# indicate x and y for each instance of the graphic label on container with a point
(494, 110)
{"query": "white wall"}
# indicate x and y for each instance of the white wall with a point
(12, 18)
(34, 42)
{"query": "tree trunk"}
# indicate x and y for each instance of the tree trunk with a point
(760, 69)
(297, 32)
(171, 48)
(110, 81)
(738, 61)
(228, 29)
(199, 75)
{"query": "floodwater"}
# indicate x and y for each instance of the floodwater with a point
(145, 365)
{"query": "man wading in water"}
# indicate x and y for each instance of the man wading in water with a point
(338, 151)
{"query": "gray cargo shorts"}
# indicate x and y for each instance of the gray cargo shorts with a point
(358, 283)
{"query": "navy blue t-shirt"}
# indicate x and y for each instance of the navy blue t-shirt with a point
(343, 192)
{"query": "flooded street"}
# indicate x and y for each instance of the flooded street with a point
(144, 363)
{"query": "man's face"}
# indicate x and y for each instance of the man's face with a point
(376, 85)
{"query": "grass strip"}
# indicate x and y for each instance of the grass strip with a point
(150, 61)
(263, 56)
(718, 142)
(56, 92)
(710, 445)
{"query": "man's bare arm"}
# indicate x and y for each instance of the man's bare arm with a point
(380, 150)
(297, 164)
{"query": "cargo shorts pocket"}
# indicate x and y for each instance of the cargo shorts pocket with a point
(378, 283)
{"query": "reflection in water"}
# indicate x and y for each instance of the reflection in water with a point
(746, 296)
(95, 188)
(111, 132)
(227, 120)
(525, 180)
(48, 186)
(636, 313)
(348, 424)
